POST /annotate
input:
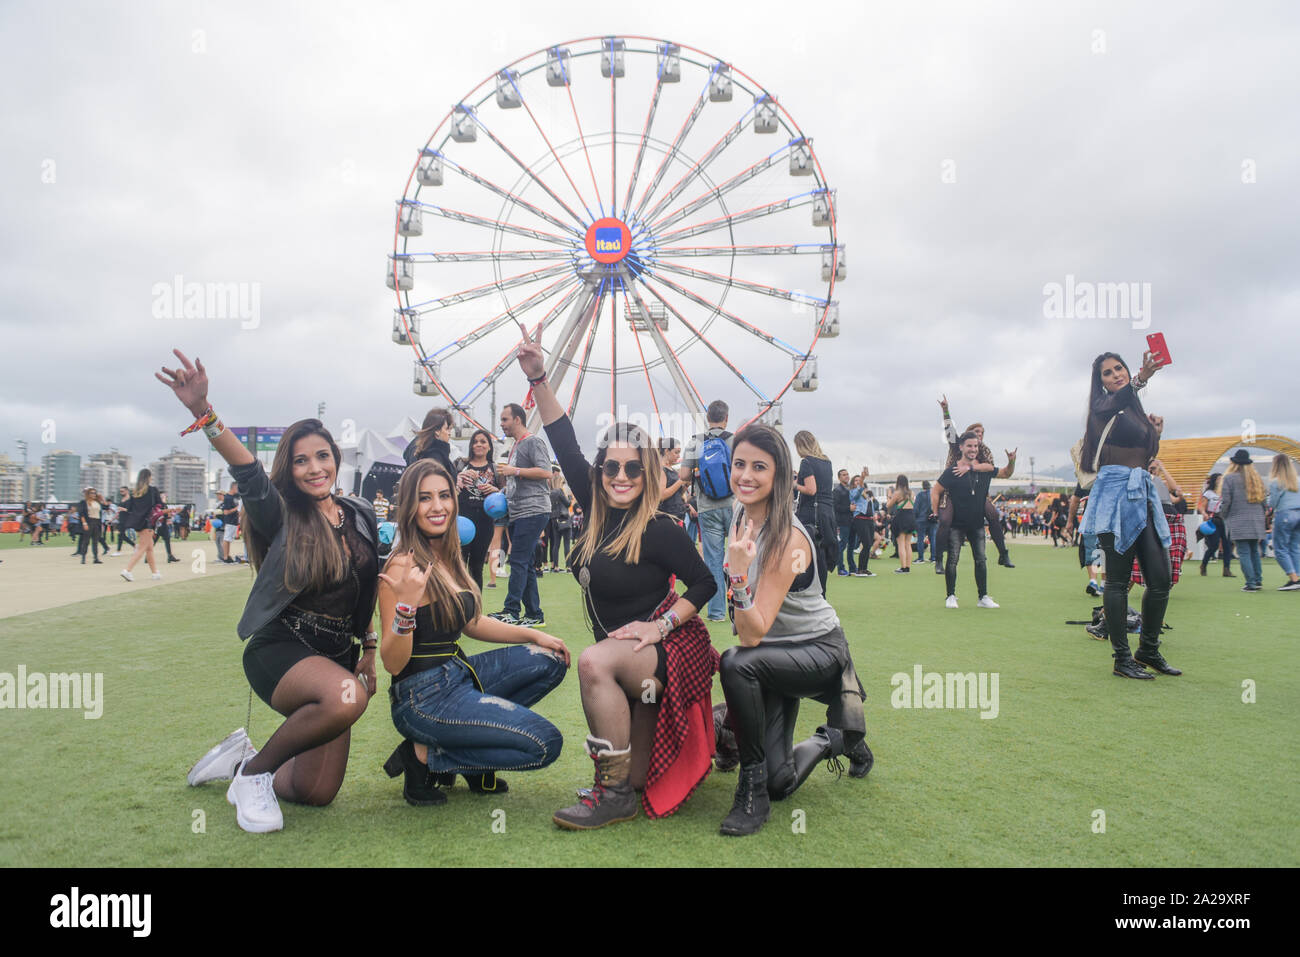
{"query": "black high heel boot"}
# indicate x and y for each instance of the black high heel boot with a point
(419, 787)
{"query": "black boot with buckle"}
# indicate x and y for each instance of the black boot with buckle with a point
(419, 786)
(751, 807)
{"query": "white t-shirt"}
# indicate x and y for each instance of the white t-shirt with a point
(1211, 502)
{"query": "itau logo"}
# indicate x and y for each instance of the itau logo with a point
(609, 239)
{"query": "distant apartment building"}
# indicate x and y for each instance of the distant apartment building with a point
(107, 472)
(181, 477)
(61, 476)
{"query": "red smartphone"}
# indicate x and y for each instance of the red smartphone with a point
(1159, 351)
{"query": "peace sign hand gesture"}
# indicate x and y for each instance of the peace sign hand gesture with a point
(742, 548)
(409, 580)
(189, 382)
(531, 360)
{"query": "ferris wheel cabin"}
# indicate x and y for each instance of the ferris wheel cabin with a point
(830, 322)
(508, 90)
(401, 335)
(557, 66)
(425, 373)
(670, 63)
(801, 163)
(823, 200)
(400, 274)
(720, 84)
(611, 57)
(829, 258)
(463, 128)
(765, 119)
(429, 170)
(409, 220)
(805, 379)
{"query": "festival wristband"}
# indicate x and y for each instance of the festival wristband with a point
(404, 610)
(538, 381)
(207, 418)
(214, 429)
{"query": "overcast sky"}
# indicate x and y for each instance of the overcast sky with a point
(980, 150)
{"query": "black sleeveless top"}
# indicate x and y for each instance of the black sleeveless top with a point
(431, 647)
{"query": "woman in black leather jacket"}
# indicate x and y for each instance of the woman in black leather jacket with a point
(310, 652)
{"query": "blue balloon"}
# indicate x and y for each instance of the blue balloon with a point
(496, 505)
(466, 528)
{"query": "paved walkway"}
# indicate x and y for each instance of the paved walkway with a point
(47, 576)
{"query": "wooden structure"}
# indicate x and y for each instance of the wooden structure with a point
(1189, 461)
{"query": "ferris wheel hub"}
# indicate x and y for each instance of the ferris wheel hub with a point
(608, 240)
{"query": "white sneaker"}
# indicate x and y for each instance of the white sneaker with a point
(116, 555)
(221, 762)
(987, 602)
(951, 602)
(127, 575)
(253, 796)
(156, 576)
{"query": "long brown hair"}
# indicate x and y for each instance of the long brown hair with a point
(1093, 428)
(778, 528)
(434, 420)
(626, 545)
(141, 484)
(313, 557)
(443, 552)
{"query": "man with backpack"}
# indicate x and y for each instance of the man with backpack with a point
(707, 465)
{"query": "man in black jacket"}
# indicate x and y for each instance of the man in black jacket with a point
(843, 521)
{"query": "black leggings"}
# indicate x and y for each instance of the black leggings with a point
(1153, 559)
(1218, 542)
(90, 534)
(763, 685)
(475, 553)
(554, 536)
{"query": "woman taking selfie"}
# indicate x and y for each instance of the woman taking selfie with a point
(451, 708)
(1124, 511)
(791, 642)
(645, 692)
(310, 653)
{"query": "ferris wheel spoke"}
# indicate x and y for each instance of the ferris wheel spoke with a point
(707, 344)
(488, 255)
(681, 379)
(687, 124)
(494, 224)
(645, 136)
(592, 324)
(714, 307)
(568, 88)
(477, 292)
(791, 295)
(483, 384)
(732, 219)
(699, 166)
(507, 195)
(636, 337)
(710, 195)
(499, 320)
(790, 249)
(547, 140)
(526, 168)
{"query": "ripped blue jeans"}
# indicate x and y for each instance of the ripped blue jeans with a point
(470, 731)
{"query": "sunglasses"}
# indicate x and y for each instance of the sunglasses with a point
(632, 469)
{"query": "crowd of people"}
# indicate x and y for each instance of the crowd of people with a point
(660, 539)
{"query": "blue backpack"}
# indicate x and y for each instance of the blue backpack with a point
(715, 466)
(387, 532)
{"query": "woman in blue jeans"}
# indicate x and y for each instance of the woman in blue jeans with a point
(1284, 500)
(457, 714)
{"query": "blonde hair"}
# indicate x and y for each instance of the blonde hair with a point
(805, 443)
(141, 484)
(1255, 491)
(626, 545)
(1283, 472)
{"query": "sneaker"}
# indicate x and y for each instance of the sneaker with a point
(505, 616)
(253, 796)
(127, 575)
(1250, 588)
(901, 571)
(951, 602)
(718, 618)
(530, 621)
(220, 763)
(1093, 590)
(987, 602)
(842, 573)
(492, 584)
(116, 555)
(1290, 586)
(156, 576)
(867, 574)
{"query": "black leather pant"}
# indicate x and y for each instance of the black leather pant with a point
(1156, 571)
(763, 685)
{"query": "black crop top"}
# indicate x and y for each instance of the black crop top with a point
(617, 592)
(1133, 440)
(340, 599)
(431, 647)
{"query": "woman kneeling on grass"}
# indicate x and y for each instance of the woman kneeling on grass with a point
(646, 693)
(310, 652)
(791, 643)
(458, 714)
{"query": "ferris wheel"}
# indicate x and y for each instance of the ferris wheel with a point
(655, 212)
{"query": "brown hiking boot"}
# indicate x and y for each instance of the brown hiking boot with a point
(611, 799)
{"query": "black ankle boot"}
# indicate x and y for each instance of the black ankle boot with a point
(1153, 659)
(860, 758)
(419, 787)
(751, 806)
(1128, 668)
(487, 783)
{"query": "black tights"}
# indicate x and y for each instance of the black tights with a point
(1153, 559)
(308, 754)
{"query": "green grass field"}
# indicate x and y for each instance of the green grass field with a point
(1184, 770)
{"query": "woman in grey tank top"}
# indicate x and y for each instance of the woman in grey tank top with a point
(791, 643)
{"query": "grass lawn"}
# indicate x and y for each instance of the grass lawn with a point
(1185, 771)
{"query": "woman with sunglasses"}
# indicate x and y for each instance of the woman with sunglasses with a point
(645, 693)
(791, 642)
